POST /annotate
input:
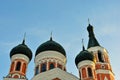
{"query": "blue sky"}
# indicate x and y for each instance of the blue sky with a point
(67, 19)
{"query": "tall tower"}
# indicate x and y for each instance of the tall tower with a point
(49, 58)
(20, 57)
(102, 65)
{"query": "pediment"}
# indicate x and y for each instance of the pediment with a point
(55, 74)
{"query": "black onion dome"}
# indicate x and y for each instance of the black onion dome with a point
(84, 55)
(50, 45)
(21, 49)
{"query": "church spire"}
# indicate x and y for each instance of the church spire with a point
(92, 40)
(51, 36)
(83, 44)
(23, 42)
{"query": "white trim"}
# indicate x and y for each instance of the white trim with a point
(13, 79)
(101, 71)
(20, 56)
(96, 48)
(86, 62)
(16, 74)
(43, 56)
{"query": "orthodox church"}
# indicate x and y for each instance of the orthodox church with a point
(50, 61)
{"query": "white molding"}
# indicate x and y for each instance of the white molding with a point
(20, 56)
(96, 48)
(46, 55)
(86, 62)
(13, 79)
(16, 74)
(101, 71)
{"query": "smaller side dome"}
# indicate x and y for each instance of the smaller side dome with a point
(84, 55)
(21, 49)
(50, 45)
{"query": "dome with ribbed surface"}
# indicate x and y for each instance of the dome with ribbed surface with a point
(21, 49)
(50, 46)
(84, 55)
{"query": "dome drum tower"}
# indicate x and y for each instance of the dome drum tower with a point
(20, 57)
(49, 55)
(85, 63)
(49, 59)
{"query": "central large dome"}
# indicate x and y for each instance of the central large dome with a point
(50, 46)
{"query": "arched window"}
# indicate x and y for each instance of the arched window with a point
(12, 66)
(83, 73)
(36, 70)
(24, 68)
(52, 65)
(90, 72)
(18, 66)
(100, 56)
(43, 67)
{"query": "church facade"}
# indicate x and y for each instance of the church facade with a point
(50, 61)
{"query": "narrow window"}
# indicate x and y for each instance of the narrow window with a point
(90, 72)
(24, 68)
(36, 70)
(18, 66)
(51, 66)
(100, 56)
(83, 73)
(43, 67)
